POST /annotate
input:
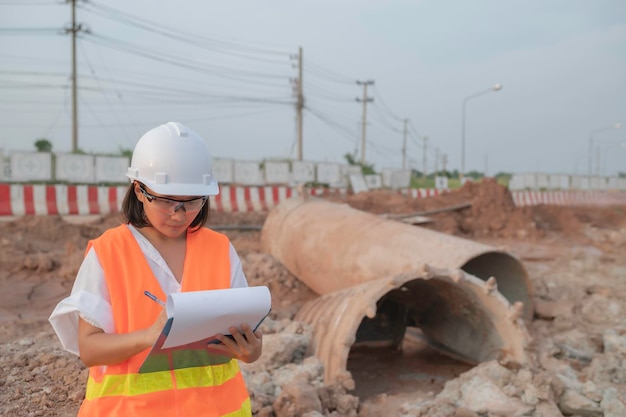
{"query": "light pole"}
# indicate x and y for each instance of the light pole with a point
(604, 154)
(496, 87)
(589, 155)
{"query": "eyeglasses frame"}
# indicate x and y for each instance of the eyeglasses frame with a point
(181, 203)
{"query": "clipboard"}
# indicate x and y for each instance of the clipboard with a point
(195, 317)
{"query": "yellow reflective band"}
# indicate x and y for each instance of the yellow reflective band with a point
(138, 384)
(244, 411)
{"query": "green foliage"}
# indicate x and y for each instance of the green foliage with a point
(475, 175)
(350, 159)
(503, 178)
(420, 182)
(454, 183)
(43, 145)
(126, 152)
(366, 169)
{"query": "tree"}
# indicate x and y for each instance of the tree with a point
(504, 176)
(126, 152)
(366, 169)
(43, 145)
(475, 175)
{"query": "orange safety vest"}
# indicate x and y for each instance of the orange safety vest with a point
(120, 390)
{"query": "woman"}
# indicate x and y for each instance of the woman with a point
(163, 248)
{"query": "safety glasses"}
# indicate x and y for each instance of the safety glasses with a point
(171, 206)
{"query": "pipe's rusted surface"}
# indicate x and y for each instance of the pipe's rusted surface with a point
(451, 308)
(331, 247)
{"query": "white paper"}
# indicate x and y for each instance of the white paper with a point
(198, 315)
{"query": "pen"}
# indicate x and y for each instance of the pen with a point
(154, 298)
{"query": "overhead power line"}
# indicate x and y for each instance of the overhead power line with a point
(380, 100)
(26, 3)
(183, 62)
(345, 132)
(211, 44)
(30, 31)
(326, 74)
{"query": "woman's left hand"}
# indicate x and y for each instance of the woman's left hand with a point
(245, 344)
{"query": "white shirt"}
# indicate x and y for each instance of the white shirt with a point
(90, 297)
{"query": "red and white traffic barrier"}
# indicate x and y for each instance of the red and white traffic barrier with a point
(48, 200)
(569, 198)
(27, 199)
(19, 200)
(423, 192)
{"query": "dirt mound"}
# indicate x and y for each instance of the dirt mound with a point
(477, 209)
(487, 209)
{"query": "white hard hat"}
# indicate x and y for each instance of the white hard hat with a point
(172, 159)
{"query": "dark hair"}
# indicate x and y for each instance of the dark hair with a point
(132, 210)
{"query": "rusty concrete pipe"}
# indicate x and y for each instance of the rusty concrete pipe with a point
(452, 309)
(331, 247)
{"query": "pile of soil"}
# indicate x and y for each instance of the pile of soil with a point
(486, 209)
(574, 257)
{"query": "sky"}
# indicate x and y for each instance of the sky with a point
(228, 70)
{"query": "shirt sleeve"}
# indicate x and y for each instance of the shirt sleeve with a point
(88, 300)
(237, 277)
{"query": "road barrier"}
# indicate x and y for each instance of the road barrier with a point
(42, 200)
(569, 198)
(61, 199)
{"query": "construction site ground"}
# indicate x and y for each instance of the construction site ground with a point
(575, 258)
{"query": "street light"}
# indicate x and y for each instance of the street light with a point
(604, 154)
(496, 87)
(589, 156)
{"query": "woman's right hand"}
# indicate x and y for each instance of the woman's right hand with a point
(99, 348)
(154, 331)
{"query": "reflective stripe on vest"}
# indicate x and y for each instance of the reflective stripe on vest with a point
(138, 384)
(217, 390)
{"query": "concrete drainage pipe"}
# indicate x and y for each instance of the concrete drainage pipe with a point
(380, 277)
(332, 246)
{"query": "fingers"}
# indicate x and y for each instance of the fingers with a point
(245, 345)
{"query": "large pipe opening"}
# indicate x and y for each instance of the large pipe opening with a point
(442, 313)
(509, 272)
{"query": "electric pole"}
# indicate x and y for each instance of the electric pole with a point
(406, 122)
(74, 29)
(299, 104)
(364, 100)
(425, 138)
(486, 165)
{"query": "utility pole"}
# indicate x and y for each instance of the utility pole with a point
(444, 162)
(436, 172)
(74, 29)
(425, 138)
(299, 104)
(486, 165)
(406, 122)
(590, 153)
(365, 100)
